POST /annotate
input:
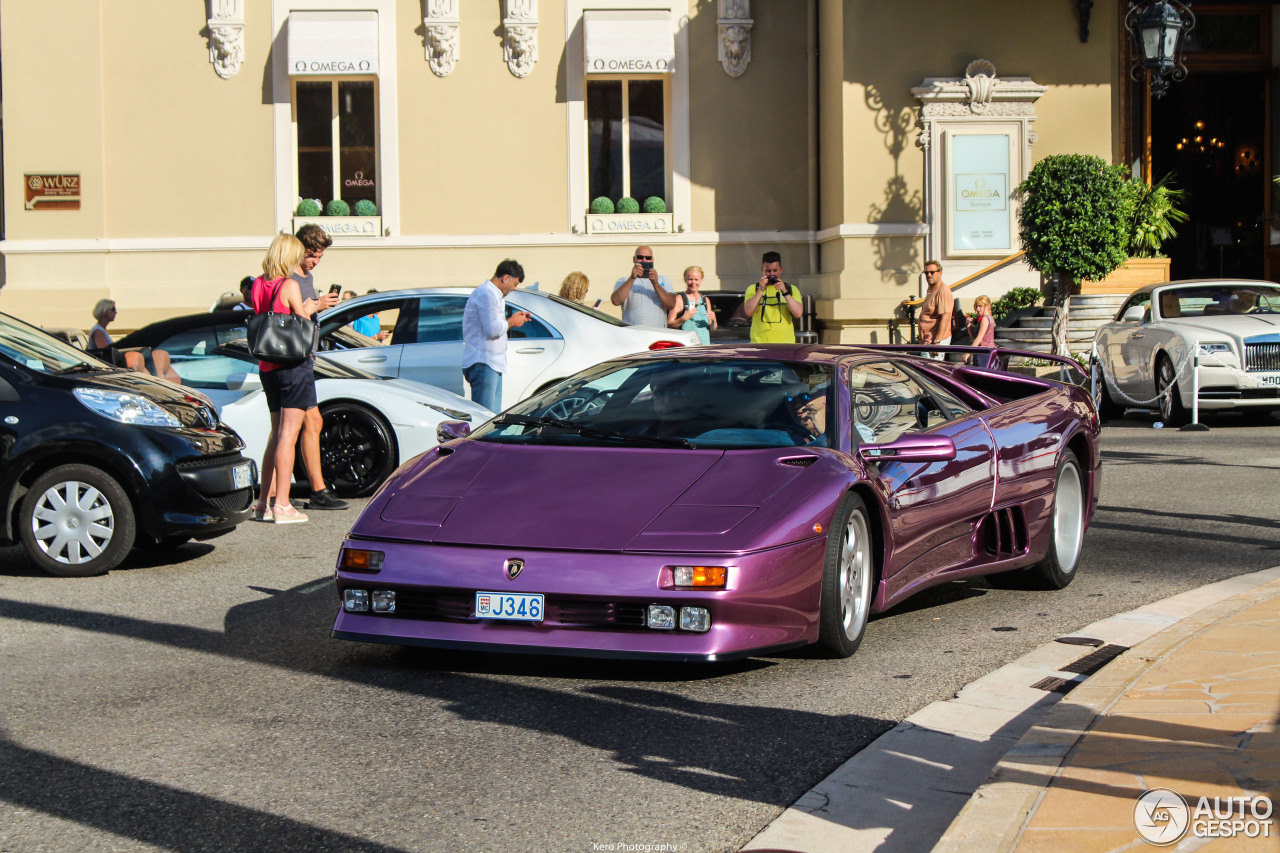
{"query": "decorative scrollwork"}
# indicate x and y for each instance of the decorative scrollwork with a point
(226, 36)
(520, 36)
(440, 26)
(734, 25)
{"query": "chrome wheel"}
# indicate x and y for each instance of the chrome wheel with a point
(848, 579)
(855, 576)
(1068, 518)
(73, 523)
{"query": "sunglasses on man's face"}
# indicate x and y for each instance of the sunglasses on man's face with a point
(644, 257)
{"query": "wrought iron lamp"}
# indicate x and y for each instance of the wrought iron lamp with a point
(1159, 29)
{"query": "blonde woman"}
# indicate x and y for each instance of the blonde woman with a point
(290, 391)
(574, 287)
(692, 311)
(134, 359)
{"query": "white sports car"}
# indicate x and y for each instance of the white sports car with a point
(371, 424)
(1147, 353)
(423, 330)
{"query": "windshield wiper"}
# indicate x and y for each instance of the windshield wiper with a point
(82, 367)
(593, 432)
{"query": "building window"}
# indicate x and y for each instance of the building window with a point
(337, 144)
(627, 139)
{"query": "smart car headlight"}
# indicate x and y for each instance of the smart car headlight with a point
(125, 407)
(451, 414)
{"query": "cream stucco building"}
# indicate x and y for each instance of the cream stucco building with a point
(152, 147)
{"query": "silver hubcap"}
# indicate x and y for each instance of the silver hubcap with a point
(73, 522)
(1068, 518)
(855, 576)
(1167, 388)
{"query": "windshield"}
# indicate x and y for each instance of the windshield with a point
(581, 309)
(38, 350)
(1218, 299)
(694, 403)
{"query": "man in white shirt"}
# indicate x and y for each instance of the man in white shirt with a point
(646, 297)
(484, 334)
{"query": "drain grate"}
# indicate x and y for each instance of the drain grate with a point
(1087, 665)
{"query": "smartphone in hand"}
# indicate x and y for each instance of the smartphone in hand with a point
(335, 289)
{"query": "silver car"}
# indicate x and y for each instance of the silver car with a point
(1148, 353)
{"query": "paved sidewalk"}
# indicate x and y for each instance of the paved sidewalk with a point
(1181, 694)
(1193, 710)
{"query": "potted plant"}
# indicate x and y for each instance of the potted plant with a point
(1075, 219)
(1156, 211)
(337, 217)
(628, 216)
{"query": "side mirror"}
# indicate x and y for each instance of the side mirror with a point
(912, 448)
(244, 382)
(1134, 314)
(451, 430)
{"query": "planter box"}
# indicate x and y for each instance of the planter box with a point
(343, 226)
(629, 223)
(1133, 274)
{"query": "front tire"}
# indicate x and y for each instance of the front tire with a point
(848, 579)
(76, 521)
(1172, 412)
(357, 450)
(1108, 409)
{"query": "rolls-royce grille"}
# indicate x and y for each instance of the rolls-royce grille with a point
(440, 606)
(1259, 357)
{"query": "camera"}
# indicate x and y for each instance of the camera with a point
(773, 279)
(646, 265)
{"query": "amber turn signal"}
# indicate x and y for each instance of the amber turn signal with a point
(700, 577)
(357, 560)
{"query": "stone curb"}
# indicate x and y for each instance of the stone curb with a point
(994, 818)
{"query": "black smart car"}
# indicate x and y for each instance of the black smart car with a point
(95, 460)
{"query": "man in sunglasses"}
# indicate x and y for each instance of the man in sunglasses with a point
(935, 314)
(810, 411)
(646, 297)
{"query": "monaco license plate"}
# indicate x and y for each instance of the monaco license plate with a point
(1269, 380)
(242, 476)
(507, 605)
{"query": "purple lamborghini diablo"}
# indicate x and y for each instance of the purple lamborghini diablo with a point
(725, 501)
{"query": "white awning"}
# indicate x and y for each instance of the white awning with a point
(330, 43)
(629, 42)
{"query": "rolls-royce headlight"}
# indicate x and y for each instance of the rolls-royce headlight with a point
(1214, 347)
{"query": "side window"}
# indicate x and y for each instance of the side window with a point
(369, 319)
(440, 319)
(1141, 300)
(887, 403)
(197, 360)
(337, 153)
(952, 406)
(534, 329)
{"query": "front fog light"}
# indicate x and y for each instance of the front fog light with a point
(384, 601)
(355, 600)
(695, 619)
(662, 617)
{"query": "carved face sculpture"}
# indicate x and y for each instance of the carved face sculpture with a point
(737, 48)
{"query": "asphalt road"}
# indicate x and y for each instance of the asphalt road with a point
(199, 704)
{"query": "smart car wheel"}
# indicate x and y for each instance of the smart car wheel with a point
(848, 578)
(1172, 411)
(76, 521)
(357, 449)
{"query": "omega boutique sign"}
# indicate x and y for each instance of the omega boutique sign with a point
(332, 43)
(629, 42)
(52, 192)
(980, 217)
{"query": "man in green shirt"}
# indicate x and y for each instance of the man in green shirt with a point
(772, 304)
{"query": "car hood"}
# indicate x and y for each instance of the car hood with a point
(1238, 326)
(603, 498)
(421, 392)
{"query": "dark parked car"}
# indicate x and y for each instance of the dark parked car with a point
(95, 460)
(731, 325)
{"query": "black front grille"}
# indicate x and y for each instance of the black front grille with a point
(451, 606)
(209, 461)
(1259, 357)
(232, 501)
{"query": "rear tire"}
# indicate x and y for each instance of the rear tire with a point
(1108, 409)
(848, 579)
(77, 522)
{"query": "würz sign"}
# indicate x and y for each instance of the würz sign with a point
(52, 192)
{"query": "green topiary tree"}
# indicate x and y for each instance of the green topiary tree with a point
(627, 204)
(337, 207)
(365, 207)
(654, 204)
(1076, 216)
(601, 205)
(308, 207)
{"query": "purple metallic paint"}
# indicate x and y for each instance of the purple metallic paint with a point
(601, 522)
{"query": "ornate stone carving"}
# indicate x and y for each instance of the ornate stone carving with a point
(980, 79)
(520, 36)
(734, 25)
(440, 22)
(226, 36)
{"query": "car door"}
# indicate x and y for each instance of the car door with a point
(532, 350)
(932, 507)
(1126, 347)
(339, 343)
(435, 356)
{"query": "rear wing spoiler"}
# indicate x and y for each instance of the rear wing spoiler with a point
(991, 358)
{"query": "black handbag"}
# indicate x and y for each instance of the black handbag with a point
(284, 339)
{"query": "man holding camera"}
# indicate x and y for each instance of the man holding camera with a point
(772, 304)
(646, 297)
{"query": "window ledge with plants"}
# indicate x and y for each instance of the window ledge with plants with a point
(339, 219)
(629, 216)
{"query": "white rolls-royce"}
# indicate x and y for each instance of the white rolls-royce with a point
(1146, 355)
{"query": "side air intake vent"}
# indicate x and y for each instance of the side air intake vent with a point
(799, 461)
(1003, 533)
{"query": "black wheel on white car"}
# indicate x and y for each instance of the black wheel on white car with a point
(357, 450)
(1172, 412)
(848, 579)
(76, 521)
